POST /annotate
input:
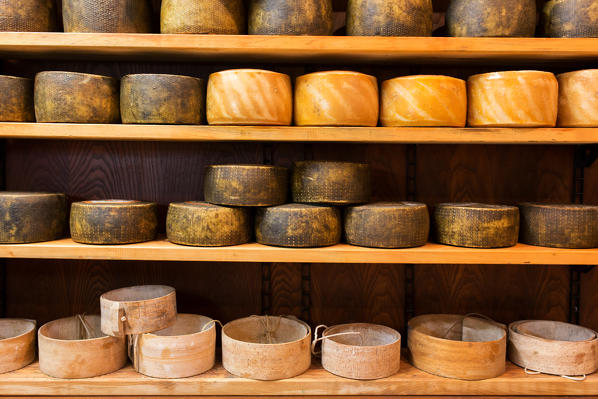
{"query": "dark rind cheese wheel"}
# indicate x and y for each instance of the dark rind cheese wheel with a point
(206, 225)
(571, 18)
(73, 97)
(246, 185)
(113, 221)
(476, 225)
(283, 17)
(220, 17)
(298, 226)
(107, 16)
(335, 183)
(27, 16)
(162, 99)
(491, 18)
(16, 99)
(559, 225)
(389, 18)
(31, 217)
(387, 225)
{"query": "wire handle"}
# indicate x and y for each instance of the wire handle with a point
(569, 377)
(210, 323)
(318, 339)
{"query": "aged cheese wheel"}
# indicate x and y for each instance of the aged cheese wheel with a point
(27, 16)
(246, 185)
(336, 98)
(205, 225)
(298, 226)
(161, 99)
(387, 225)
(327, 182)
(221, 17)
(249, 97)
(107, 16)
(113, 221)
(16, 99)
(31, 217)
(578, 98)
(571, 18)
(73, 97)
(423, 100)
(513, 99)
(559, 225)
(389, 18)
(17, 344)
(476, 225)
(283, 17)
(491, 18)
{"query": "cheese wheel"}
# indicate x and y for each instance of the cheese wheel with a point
(283, 17)
(423, 101)
(387, 225)
(335, 183)
(559, 225)
(476, 225)
(389, 18)
(206, 225)
(221, 17)
(107, 16)
(27, 16)
(113, 221)
(31, 217)
(246, 185)
(16, 99)
(491, 18)
(571, 18)
(578, 98)
(336, 98)
(513, 99)
(298, 226)
(249, 97)
(17, 344)
(161, 99)
(72, 97)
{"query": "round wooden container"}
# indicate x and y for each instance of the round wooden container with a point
(183, 350)
(423, 100)
(68, 349)
(578, 101)
(372, 352)
(28, 16)
(559, 225)
(266, 347)
(283, 17)
(17, 344)
(571, 18)
(491, 18)
(162, 99)
(73, 97)
(249, 97)
(513, 99)
(220, 17)
(455, 346)
(336, 98)
(206, 225)
(16, 99)
(553, 347)
(138, 310)
(107, 16)
(389, 18)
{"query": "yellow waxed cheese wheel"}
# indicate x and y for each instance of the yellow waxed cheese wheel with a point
(107, 16)
(249, 97)
(16, 99)
(424, 100)
(283, 17)
(578, 98)
(513, 99)
(389, 18)
(571, 18)
(221, 17)
(336, 98)
(28, 16)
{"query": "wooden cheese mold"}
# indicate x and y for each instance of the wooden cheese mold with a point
(578, 103)
(16, 99)
(570, 18)
(389, 18)
(17, 343)
(106, 16)
(220, 17)
(283, 17)
(28, 16)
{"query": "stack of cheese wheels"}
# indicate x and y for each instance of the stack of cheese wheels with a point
(222, 17)
(491, 18)
(31, 217)
(513, 99)
(454, 346)
(266, 347)
(578, 98)
(336, 98)
(553, 347)
(74, 347)
(476, 225)
(389, 18)
(559, 225)
(28, 16)
(249, 97)
(423, 100)
(571, 18)
(17, 344)
(107, 16)
(113, 221)
(161, 99)
(283, 17)
(73, 97)
(16, 99)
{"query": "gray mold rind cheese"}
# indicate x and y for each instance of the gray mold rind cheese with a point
(28, 16)
(219, 17)
(283, 17)
(389, 18)
(571, 18)
(16, 99)
(107, 16)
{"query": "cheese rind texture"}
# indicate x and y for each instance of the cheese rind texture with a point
(578, 99)
(28, 16)
(219, 17)
(16, 99)
(283, 17)
(571, 18)
(107, 16)
(389, 18)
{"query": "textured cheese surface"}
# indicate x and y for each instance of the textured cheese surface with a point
(578, 98)
(219, 17)
(571, 18)
(16, 99)
(389, 18)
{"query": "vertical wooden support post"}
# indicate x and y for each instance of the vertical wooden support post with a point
(306, 292)
(411, 184)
